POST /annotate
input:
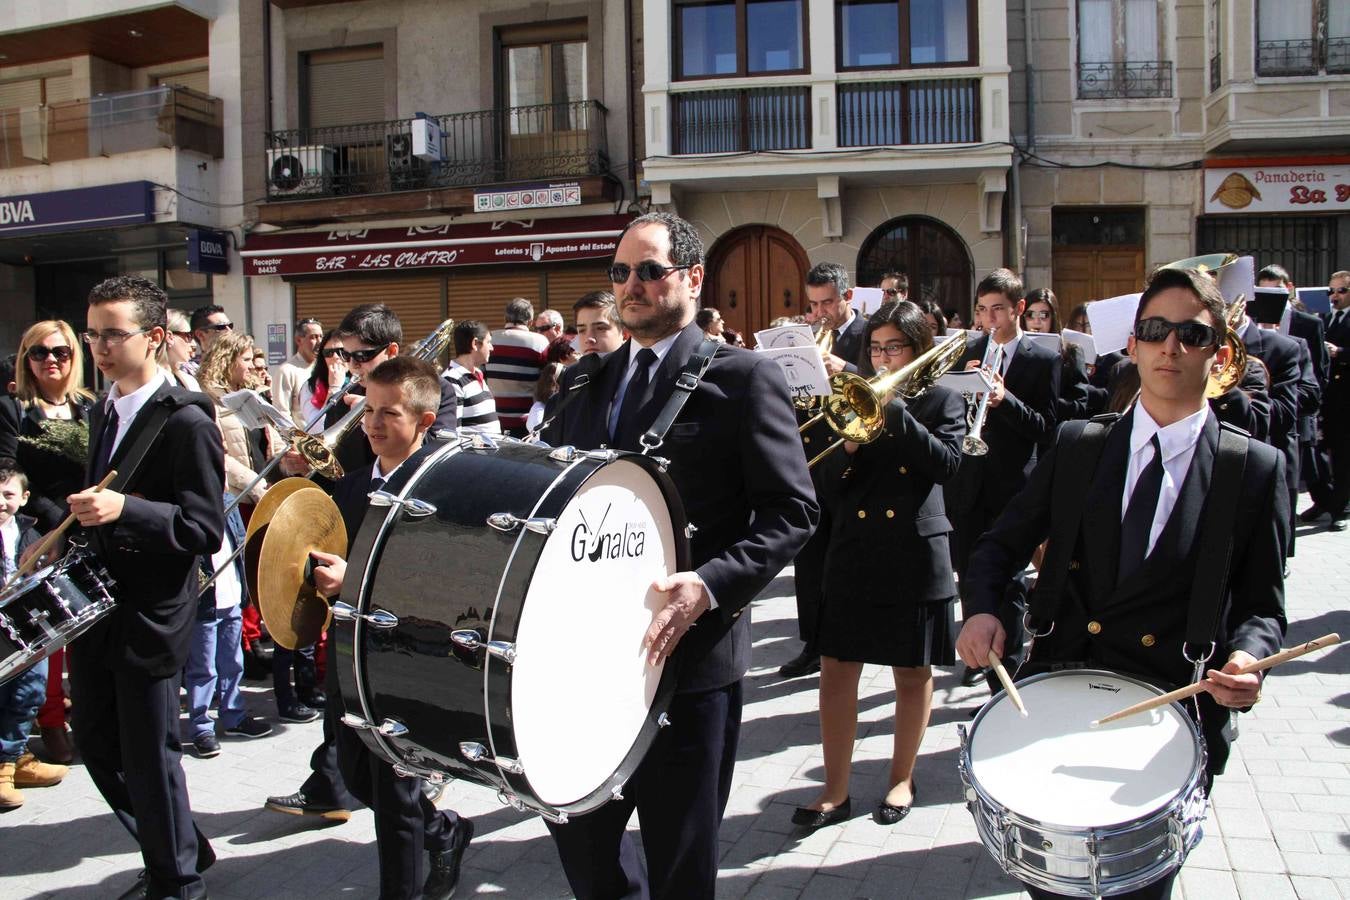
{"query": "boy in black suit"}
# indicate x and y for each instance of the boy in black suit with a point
(1127, 577)
(147, 528)
(402, 396)
(737, 463)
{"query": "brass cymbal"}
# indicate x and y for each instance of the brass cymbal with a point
(261, 518)
(294, 612)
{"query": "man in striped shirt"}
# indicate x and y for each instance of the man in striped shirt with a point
(473, 348)
(517, 357)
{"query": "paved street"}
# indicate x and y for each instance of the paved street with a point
(1277, 829)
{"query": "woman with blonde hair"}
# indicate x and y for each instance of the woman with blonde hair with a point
(46, 431)
(228, 367)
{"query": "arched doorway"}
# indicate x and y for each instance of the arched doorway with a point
(756, 274)
(934, 257)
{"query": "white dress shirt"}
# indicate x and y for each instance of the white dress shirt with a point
(229, 592)
(1008, 350)
(128, 406)
(1178, 442)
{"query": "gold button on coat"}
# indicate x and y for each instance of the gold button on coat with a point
(862, 513)
(1148, 640)
(890, 514)
(1094, 628)
(1073, 565)
(904, 471)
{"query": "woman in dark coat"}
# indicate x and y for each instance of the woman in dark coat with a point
(888, 584)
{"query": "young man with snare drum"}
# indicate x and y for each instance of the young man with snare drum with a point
(148, 529)
(737, 463)
(402, 396)
(1131, 539)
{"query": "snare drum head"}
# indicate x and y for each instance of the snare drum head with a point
(581, 689)
(1053, 768)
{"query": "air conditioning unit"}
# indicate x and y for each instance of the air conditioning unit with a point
(406, 171)
(300, 170)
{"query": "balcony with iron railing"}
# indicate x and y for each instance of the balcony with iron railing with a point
(522, 143)
(1124, 80)
(898, 113)
(109, 124)
(1303, 57)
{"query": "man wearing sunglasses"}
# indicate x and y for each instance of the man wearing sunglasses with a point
(737, 463)
(209, 323)
(1333, 497)
(294, 372)
(1126, 544)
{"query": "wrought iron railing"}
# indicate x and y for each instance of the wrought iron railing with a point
(519, 143)
(1124, 80)
(1274, 58)
(1338, 55)
(902, 113)
(741, 120)
(1215, 72)
(167, 116)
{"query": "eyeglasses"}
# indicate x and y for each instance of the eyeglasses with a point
(218, 326)
(40, 353)
(333, 351)
(1339, 290)
(1037, 314)
(183, 335)
(891, 350)
(1155, 329)
(647, 270)
(111, 337)
(360, 356)
(542, 328)
(892, 292)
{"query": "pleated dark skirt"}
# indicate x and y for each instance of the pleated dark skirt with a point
(888, 633)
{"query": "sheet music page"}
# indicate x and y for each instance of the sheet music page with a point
(1112, 321)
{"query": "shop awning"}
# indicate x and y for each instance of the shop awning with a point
(523, 242)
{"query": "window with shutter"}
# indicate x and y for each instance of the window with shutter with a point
(344, 87)
(197, 80)
(16, 94)
(416, 301)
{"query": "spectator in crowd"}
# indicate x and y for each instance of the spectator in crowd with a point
(517, 357)
(327, 376)
(710, 320)
(22, 694)
(599, 329)
(894, 286)
(477, 412)
(262, 378)
(733, 338)
(180, 348)
(543, 391)
(561, 350)
(295, 371)
(44, 428)
(549, 323)
(209, 323)
(955, 320)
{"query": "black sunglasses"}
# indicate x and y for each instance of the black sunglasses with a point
(40, 353)
(647, 270)
(1155, 329)
(1339, 290)
(219, 326)
(361, 356)
(334, 351)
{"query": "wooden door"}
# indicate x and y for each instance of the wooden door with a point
(756, 274)
(1083, 274)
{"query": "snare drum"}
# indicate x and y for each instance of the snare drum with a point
(44, 611)
(497, 608)
(1080, 811)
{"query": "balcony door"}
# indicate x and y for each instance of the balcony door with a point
(543, 86)
(1098, 253)
(756, 274)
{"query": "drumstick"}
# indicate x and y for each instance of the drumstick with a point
(55, 535)
(997, 665)
(1191, 690)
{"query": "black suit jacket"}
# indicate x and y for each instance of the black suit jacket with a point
(849, 346)
(887, 498)
(351, 492)
(174, 513)
(1153, 601)
(1314, 331)
(1336, 399)
(1281, 356)
(1015, 427)
(737, 463)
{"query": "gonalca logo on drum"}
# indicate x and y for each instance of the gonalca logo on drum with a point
(597, 544)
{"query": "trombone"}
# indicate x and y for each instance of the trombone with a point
(855, 410)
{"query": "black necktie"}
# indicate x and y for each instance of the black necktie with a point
(376, 484)
(632, 397)
(105, 444)
(1138, 522)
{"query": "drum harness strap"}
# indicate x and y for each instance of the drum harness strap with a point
(155, 417)
(1210, 582)
(685, 384)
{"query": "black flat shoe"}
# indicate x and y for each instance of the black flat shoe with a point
(811, 819)
(889, 815)
(805, 663)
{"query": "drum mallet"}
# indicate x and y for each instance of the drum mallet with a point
(46, 543)
(997, 665)
(1326, 640)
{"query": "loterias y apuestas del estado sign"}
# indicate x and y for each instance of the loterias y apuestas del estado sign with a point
(523, 242)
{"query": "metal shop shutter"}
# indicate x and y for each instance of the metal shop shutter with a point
(567, 286)
(484, 296)
(416, 301)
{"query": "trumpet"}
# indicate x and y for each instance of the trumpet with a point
(973, 445)
(855, 410)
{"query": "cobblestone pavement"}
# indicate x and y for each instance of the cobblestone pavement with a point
(1277, 829)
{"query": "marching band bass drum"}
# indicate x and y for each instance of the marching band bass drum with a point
(493, 615)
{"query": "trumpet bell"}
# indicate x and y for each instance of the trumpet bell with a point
(1206, 263)
(973, 446)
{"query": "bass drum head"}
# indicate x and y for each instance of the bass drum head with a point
(1052, 767)
(581, 690)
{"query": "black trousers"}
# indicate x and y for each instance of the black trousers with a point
(1332, 490)
(808, 580)
(325, 784)
(127, 732)
(680, 792)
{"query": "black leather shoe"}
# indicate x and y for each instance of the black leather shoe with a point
(971, 677)
(804, 663)
(811, 819)
(444, 875)
(1337, 523)
(298, 804)
(257, 664)
(889, 815)
(315, 699)
(1312, 514)
(142, 889)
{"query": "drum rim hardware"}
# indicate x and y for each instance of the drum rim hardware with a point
(376, 618)
(506, 523)
(411, 506)
(470, 639)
